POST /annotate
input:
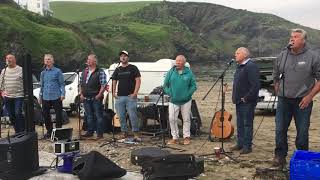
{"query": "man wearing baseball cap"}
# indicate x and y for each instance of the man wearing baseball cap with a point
(128, 79)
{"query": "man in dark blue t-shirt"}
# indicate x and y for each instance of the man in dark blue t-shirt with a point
(127, 78)
(245, 91)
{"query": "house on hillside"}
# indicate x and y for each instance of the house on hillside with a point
(41, 7)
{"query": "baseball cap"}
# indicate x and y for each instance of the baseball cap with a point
(124, 52)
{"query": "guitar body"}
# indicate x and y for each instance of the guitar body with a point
(216, 126)
(116, 121)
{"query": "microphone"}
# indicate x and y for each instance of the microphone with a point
(7, 63)
(231, 61)
(289, 46)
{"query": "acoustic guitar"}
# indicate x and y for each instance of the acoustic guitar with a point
(116, 121)
(216, 125)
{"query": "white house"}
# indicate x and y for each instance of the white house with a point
(41, 7)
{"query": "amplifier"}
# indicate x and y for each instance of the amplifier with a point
(66, 147)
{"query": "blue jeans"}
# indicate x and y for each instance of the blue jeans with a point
(93, 107)
(14, 108)
(128, 104)
(286, 109)
(245, 116)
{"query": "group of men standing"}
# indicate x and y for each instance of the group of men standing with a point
(296, 75)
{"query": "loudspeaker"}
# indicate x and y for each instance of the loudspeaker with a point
(19, 157)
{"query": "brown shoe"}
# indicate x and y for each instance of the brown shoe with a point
(235, 148)
(245, 150)
(137, 137)
(279, 161)
(186, 141)
(123, 135)
(173, 141)
(99, 137)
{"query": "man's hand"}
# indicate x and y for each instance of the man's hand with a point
(133, 95)
(81, 98)
(40, 101)
(62, 98)
(98, 96)
(115, 95)
(243, 100)
(305, 101)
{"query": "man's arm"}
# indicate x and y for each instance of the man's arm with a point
(136, 87)
(41, 87)
(253, 78)
(62, 85)
(193, 85)
(316, 88)
(308, 98)
(103, 82)
(114, 86)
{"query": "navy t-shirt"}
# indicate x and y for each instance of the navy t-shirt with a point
(126, 77)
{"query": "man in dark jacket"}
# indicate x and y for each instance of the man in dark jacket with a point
(93, 81)
(244, 95)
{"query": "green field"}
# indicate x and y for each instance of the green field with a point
(85, 11)
(24, 32)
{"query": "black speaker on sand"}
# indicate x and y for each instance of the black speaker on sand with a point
(19, 156)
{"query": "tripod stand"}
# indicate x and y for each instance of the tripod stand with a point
(221, 78)
(161, 119)
(113, 140)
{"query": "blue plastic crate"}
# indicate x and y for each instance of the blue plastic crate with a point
(305, 165)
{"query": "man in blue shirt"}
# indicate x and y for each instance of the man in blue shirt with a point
(52, 93)
(245, 91)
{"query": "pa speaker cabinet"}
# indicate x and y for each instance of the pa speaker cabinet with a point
(19, 153)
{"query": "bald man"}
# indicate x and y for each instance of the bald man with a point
(245, 91)
(180, 84)
(11, 81)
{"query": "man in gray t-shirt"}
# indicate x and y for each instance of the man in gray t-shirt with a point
(296, 75)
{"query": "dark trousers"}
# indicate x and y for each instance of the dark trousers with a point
(286, 109)
(94, 111)
(57, 106)
(245, 116)
(14, 108)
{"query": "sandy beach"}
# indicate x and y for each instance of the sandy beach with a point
(255, 165)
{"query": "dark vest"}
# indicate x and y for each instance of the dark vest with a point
(92, 88)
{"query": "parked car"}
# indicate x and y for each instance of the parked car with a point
(70, 103)
(267, 99)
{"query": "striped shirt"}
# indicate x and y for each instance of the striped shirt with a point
(11, 81)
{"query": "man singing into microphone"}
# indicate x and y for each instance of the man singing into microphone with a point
(180, 84)
(296, 75)
(52, 93)
(127, 79)
(245, 95)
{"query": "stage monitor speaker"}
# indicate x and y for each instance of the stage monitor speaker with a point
(19, 157)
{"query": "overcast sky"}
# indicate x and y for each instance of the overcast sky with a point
(304, 12)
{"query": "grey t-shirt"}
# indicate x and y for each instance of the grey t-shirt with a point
(300, 72)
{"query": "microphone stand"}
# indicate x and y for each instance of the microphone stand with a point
(113, 140)
(161, 119)
(221, 77)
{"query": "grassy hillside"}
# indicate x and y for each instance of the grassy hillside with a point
(85, 11)
(202, 31)
(23, 32)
